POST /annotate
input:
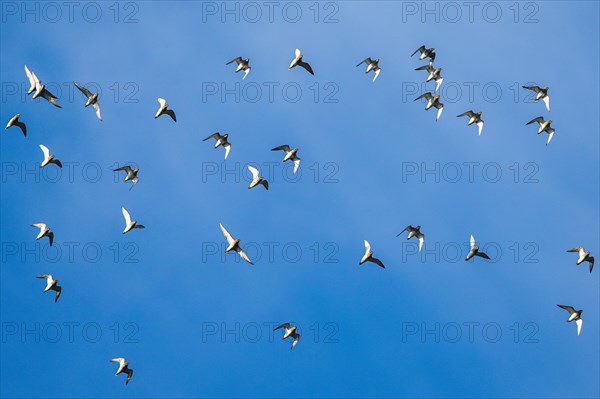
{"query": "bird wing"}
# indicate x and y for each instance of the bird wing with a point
(480, 126)
(377, 72)
(126, 216)
(284, 147)
(85, 91)
(226, 234)
(590, 259)
(246, 72)
(440, 108)
(171, 113)
(532, 88)
(298, 53)
(46, 151)
(255, 174)
(284, 325)
(31, 78)
(377, 262)
(126, 168)
(421, 238)
(306, 66)
(296, 161)
(426, 95)
(237, 60)
(421, 49)
(41, 226)
(550, 135)
(539, 119)
(162, 102)
(243, 255)
(427, 68)
(482, 255)
(227, 147)
(472, 241)
(578, 249)
(97, 108)
(546, 100)
(569, 309)
(579, 323)
(213, 136)
(470, 114)
(365, 61)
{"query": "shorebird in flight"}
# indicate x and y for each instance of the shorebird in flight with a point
(474, 117)
(541, 93)
(298, 62)
(221, 140)
(123, 368)
(432, 101)
(131, 174)
(257, 178)
(414, 232)
(164, 110)
(92, 99)
(474, 251)
(242, 65)
(372, 65)
(51, 284)
(234, 245)
(130, 224)
(434, 74)
(40, 89)
(44, 232)
(583, 257)
(289, 332)
(290, 154)
(14, 121)
(575, 315)
(49, 158)
(545, 126)
(368, 256)
(425, 52)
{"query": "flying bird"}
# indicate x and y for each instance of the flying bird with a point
(298, 62)
(242, 65)
(541, 94)
(130, 224)
(40, 89)
(434, 74)
(44, 232)
(49, 158)
(221, 140)
(425, 52)
(289, 332)
(234, 245)
(257, 179)
(544, 127)
(92, 99)
(474, 117)
(51, 284)
(432, 101)
(14, 121)
(372, 65)
(164, 110)
(583, 257)
(575, 315)
(414, 232)
(474, 251)
(368, 256)
(289, 155)
(131, 174)
(31, 79)
(123, 368)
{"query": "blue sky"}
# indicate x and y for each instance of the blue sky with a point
(164, 288)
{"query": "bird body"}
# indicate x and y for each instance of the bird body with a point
(289, 331)
(297, 61)
(51, 284)
(290, 154)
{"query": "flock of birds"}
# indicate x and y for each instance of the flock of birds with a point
(221, 140)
